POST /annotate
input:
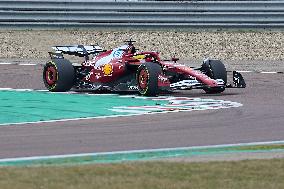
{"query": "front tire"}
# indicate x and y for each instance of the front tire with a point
(147, 78)
(58, 75)
(215, 69)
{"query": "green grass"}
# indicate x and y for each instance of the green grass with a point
(251, 174)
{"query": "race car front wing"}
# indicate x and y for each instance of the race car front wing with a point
(238, 82)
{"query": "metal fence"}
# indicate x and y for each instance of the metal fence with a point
(141, 14)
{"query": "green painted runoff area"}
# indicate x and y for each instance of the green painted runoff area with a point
(35, 106)
(118, 157)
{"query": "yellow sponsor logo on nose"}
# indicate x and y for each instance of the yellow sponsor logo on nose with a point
(139, 57)
(108, 69)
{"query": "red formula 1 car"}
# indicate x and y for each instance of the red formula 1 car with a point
(126, 69)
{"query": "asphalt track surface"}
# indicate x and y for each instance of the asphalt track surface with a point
(261, 118)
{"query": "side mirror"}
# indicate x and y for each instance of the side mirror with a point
(175, 59)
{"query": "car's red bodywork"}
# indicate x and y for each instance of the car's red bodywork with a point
(123, 68)
(117, 66)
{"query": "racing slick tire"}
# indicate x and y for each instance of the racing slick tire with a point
(147, 78)
(216, 70)
(58, 75)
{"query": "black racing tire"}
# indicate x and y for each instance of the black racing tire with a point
(147, 78)
(58, 75)
(216, 70)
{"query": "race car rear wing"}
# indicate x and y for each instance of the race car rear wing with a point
(76, 50)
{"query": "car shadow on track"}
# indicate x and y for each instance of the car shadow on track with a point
(195, 94)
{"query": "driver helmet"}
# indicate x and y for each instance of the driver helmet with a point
(131, 49)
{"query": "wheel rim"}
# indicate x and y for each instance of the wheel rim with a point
(51, 75)
(143, 78)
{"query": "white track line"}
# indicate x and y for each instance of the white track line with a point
(243, 71)
(269, 72)
(262, 72)
(11, 89)
(71, 119)
(19, 64)
(27, 64)
(6, 89)
(140, 151)
(5, 63)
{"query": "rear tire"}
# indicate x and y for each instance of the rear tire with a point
(58, 75)
(215, 69)
(147, 78)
